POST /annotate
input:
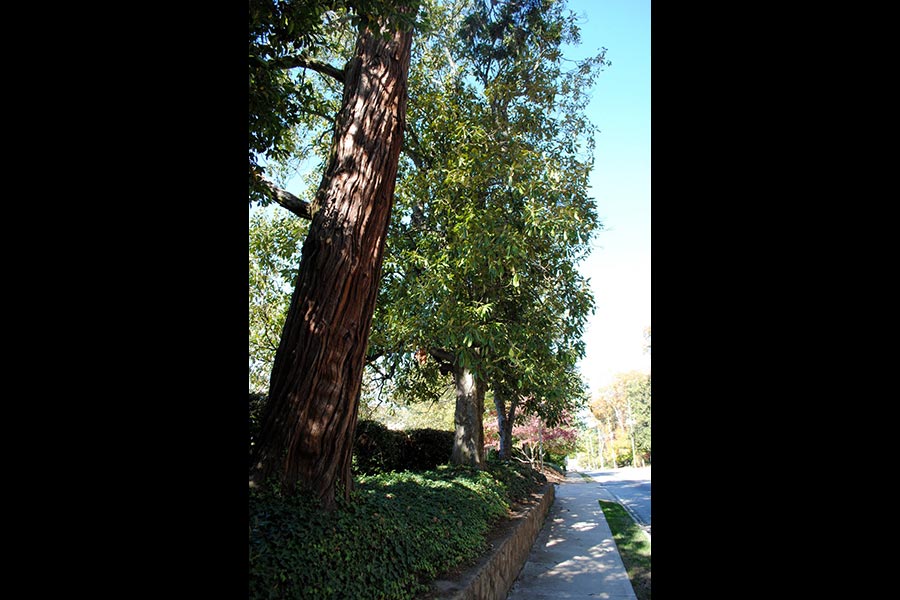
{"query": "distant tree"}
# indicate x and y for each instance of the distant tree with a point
(533, 438)
(607, 412)
(590, 442)
(640, 393)
(623, 409)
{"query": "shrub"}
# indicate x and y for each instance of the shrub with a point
(555, 458)
(426, 449)
(398, 532)
(378, 449)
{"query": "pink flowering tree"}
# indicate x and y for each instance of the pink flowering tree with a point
(531, 438)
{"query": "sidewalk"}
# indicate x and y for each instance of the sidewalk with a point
(574, 555)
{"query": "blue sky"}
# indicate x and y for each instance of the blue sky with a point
(619, 264)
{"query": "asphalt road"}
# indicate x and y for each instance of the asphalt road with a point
(631, 487)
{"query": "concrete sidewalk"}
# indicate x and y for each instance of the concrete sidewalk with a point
(574, 555)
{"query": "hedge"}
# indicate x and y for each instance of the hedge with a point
(379, 450)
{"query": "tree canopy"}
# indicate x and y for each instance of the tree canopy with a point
(491, 214)
(623, 409)
(298, 55)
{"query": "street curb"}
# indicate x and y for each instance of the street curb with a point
(640, 523)
(634, 517)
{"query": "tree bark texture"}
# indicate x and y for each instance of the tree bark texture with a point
(307, 430)
(468, 444)
(505, 422)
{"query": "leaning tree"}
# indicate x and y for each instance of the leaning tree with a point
(307, 428)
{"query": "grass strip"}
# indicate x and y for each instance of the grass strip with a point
(634, 547)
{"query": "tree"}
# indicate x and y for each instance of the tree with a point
(492, 213)
(494, 216)
(308, 425)
(515, 50)
(623, 408)
(407, 323)
(591, 442)
(535, 438)
(640, 394)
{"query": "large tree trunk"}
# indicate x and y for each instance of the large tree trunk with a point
(307, 431)
(505, 421)
(468, 445)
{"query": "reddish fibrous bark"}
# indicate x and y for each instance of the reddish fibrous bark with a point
(307, 430)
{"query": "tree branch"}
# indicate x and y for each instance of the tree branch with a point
(446, 361)
(291, 62)
(414, 150)
(442, 355)
(289, 201)
(318, 114)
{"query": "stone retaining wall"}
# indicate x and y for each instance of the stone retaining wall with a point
(493, 575)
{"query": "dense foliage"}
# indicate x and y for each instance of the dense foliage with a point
(623, 411)
(296, 53)
(492, 213)
(274, 252)
(531, 436)
(378, 449)
(398, 532)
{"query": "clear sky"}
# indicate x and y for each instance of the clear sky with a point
(619, 265)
